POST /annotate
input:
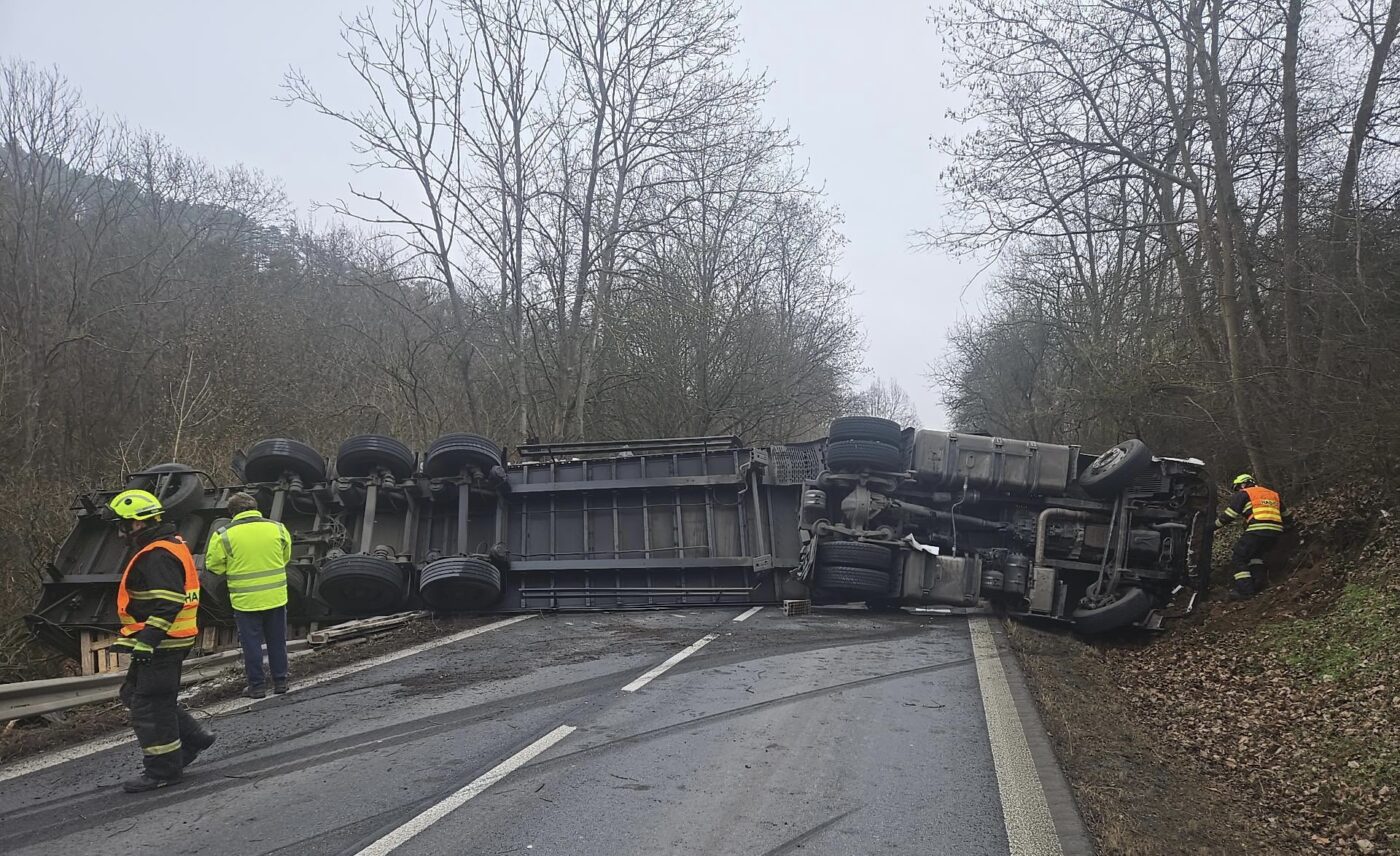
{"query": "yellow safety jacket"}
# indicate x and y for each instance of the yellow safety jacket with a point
(252, 552)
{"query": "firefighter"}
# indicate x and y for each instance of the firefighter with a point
(1262, 512)
(253, 552)
(157, 602)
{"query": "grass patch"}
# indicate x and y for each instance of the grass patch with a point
(1368, 783)
(1360, 635)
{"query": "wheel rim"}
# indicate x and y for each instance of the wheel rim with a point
(1108, 459)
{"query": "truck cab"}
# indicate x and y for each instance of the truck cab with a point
(1035, 529)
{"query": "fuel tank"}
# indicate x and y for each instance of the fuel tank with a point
(947, 460)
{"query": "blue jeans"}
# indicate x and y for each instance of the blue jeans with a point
(255, 627)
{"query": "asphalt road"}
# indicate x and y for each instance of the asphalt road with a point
(844, 732)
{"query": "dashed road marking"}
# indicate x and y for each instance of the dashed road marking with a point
(748, 613)
(1030, 830)
(459, 798)
(656, 671)
(92, 747)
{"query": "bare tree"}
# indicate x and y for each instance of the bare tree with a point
(887, 399)
(1153, 172)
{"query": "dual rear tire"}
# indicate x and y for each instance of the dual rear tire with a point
(854, 568)
(858, 444)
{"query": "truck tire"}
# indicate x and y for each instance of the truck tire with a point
(361, 585)
(459, 583)
(297, 590)
(180, 494)
(269, 460)
(362, 455)
(450, 454)
(855, 554)
(214, 605)
(866, 428)
(863, 581)
(853, 456)
(1130, 606)
(1115, 469)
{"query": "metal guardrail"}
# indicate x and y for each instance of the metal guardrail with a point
(35, 698)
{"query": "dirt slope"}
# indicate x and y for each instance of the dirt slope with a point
(1271, 726)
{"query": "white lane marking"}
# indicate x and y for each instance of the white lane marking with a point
(60, 756)
(224, 708)
(655, 672)
(1030, 830)
(235, 705)
(437, 812)
(747, 614)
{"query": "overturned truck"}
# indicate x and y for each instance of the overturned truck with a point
(873, 513)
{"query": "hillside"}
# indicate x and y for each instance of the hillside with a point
(1267, 726)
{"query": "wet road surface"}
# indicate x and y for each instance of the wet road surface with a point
(843, 732)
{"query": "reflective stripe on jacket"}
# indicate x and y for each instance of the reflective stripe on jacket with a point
(180, 632)
(252, 552)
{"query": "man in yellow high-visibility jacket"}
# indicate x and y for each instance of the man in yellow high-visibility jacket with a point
(253, 552)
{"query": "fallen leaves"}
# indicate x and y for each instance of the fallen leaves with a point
(1289, 699)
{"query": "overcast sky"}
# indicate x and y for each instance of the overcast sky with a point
(857, 82)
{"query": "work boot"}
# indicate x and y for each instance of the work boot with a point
(147, 782)
(192, 746)
(279, 687)
(1243, 589)
(255, 692)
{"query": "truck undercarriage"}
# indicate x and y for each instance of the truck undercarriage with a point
(873, 513)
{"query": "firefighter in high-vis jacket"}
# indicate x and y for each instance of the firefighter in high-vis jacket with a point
(1262, 513)
(157, 602)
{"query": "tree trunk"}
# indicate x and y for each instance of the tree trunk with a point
(1292, 285)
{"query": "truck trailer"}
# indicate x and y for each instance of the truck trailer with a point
(873, 513)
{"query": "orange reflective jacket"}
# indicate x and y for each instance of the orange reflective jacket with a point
(1264, 512)
(181, 631)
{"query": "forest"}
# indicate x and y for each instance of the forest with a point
(1193, 210)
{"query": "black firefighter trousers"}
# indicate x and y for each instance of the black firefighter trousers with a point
(1248, 560)
(151, 692)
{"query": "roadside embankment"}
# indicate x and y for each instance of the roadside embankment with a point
(1270, 726)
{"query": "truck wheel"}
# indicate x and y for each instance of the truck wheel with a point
(180, 494)
(297, 590)
(866, 428)
(268, 460)
(1130, 605)
(362, 455)
(361, 585)
(214, 605)
(460, 583)
(853, 456)
(864, 581)
(450, 454)
(1115, 469)
(855, 554)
